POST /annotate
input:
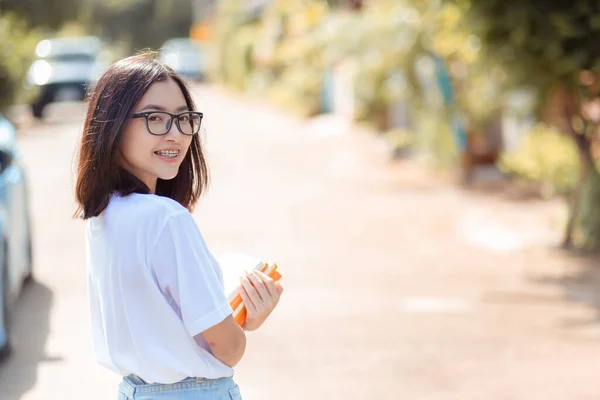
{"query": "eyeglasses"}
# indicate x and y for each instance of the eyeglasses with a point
(159, 122)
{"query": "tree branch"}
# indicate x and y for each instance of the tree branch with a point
(583, 142)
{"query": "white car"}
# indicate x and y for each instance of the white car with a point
(16, 261)
(63, 70)
(187, 57)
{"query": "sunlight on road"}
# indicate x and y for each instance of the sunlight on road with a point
(483, 229)
(435, 305)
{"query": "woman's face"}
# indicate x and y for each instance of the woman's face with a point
(148, 156)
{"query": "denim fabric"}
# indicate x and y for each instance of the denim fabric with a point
(134, 388)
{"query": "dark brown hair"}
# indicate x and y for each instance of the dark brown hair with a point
(111, 103)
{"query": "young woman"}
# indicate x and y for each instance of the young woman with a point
(159, 315)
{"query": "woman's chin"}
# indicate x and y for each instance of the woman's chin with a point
(167, 176)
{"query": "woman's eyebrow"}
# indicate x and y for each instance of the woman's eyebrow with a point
(161, 108)
(153, 107)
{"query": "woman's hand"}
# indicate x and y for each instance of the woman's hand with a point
(260, 295)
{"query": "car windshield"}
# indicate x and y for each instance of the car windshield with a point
(72, 57)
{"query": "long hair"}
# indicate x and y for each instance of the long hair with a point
(111, 102)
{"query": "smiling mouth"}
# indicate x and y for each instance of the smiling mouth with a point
(167, 153)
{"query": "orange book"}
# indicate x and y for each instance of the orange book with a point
(235, 300)
(233, 266)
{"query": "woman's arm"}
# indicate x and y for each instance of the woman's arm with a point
(182, 265)
(227, 341)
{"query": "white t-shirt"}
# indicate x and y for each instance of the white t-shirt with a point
(153, 285)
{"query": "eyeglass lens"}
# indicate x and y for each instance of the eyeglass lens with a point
(159, 123)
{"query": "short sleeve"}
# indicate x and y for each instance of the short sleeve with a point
(183, 266)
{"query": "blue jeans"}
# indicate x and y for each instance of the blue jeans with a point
(134, 388)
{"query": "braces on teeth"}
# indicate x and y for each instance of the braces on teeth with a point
(168, 153)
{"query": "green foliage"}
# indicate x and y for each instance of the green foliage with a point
(399, 138)
(50, 14)
(488, 46)
(238, 57)
(547, 45)
(298, 43)
(17, 49)
(382, 44)
(22, 24)
(279, 54)
(298, 89)
(477, 81)
(544, 42)
(435, 140)
(547, 156)
(588, 218)
(536, 44)
(140, 24)
(226, 27)
(290, 52)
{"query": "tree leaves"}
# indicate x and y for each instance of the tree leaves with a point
(43, 13)
(553, 39)
(16, 51)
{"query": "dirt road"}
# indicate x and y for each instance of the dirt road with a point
(398, 286)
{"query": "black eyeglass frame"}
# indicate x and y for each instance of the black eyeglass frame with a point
(145, 114)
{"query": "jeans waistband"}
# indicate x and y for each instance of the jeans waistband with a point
(139, 381)
(134, 384)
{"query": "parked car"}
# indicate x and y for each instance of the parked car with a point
(63, 70)
(16, 261)
(186, 56)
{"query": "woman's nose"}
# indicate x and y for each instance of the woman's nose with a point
(173, 134)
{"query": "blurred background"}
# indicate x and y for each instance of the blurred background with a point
(425, 173)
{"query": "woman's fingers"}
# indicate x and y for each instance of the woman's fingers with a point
(269, 283)
(279, 288)
(246, 299)
(258, 285)
(249, 294)
(260, 294)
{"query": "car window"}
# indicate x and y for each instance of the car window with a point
(72, 57)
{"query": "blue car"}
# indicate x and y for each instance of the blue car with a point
(15, 228)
